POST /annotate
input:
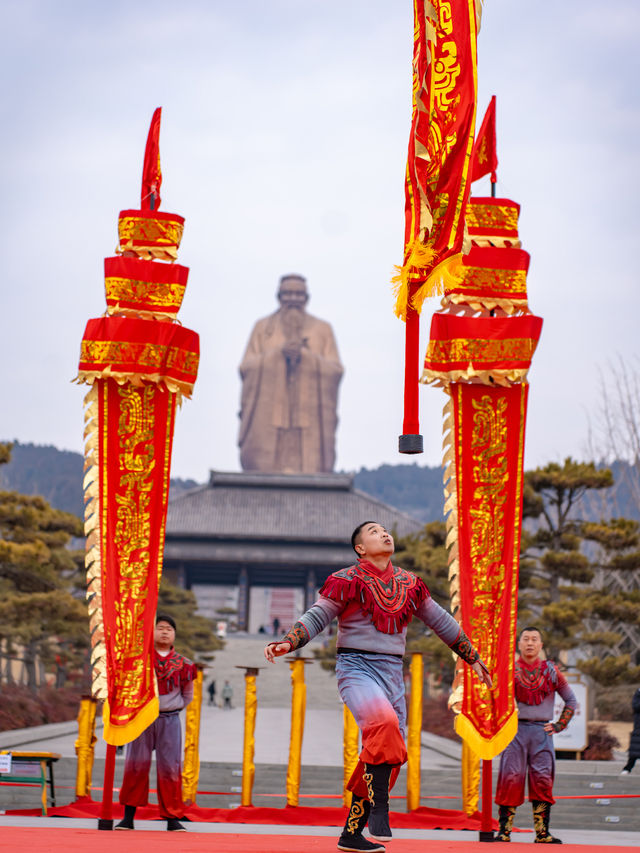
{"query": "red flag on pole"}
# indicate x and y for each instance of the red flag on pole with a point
(485, 149)
(151, 172)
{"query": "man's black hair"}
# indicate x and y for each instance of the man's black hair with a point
(163, 617)
(531, 628)
(356, 533)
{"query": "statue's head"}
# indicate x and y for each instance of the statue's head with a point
(293, 291)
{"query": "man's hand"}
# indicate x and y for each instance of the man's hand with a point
(550, 728)
(274, 650)
(480, 669)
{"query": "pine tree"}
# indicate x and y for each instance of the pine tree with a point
(571, 577)
(42, 617)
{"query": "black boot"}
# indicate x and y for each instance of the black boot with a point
(377, 778)
(127, 820)
(541, 812)
(174, 825)
(352, 838)
(505, 817)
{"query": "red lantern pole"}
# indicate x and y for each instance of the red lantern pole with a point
(105, 820)
(410, 441)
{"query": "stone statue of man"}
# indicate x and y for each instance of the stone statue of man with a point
(290, 374)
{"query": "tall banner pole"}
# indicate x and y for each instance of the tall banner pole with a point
(443, 112)
(249, 737)
(139, 363)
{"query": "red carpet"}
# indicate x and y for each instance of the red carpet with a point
(65, 840)
(422, 818)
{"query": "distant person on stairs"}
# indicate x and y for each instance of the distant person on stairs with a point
(374, 601)
(175, 675)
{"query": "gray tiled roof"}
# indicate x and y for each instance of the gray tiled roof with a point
(319, 508)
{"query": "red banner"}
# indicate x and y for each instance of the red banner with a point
(127, 348)
(486, 467)
(130, 433)
(491, 278)
(487, 349)
(485, 149)
(440, 146)
(151, 171)
(493, 222)
(150, 235)
(136, 287)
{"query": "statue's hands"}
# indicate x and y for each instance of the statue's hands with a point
(292, 352)
(480, 669)
(274, 650)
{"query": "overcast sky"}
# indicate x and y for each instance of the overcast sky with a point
(283, 144)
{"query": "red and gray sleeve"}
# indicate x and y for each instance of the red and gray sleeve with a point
(317, 617)
(445, 626)
(570, 704)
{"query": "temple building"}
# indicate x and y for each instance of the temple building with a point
(256, 547)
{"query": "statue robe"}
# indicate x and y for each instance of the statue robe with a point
(288, 416)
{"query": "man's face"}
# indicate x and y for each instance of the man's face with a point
(293, 293)
(530, 645)
(374, 541)
(164, 636)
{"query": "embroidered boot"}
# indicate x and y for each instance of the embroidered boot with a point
(541, 812)
(505, 817)
(377, 778)
(352, 838)
(127, 820)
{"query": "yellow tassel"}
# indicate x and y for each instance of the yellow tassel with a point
(446, 275)
(420, 259)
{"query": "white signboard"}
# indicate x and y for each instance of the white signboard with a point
(574, 738)
(5, 763)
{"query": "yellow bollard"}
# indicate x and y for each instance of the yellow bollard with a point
(85, 746)
(298, 706)
(191, 764)
(414, 738)
(349, 751)
(470, 780)
(249, 742)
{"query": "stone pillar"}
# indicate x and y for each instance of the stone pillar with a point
(310, 589)
(243, 599)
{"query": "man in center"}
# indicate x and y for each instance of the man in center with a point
(374, 602)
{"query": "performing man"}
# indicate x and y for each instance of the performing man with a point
(374, 601)
(175, 675)
(531, 750)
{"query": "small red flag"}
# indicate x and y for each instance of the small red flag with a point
(485, 149)
(151, 172)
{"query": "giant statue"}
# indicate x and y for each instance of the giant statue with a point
(290, 374)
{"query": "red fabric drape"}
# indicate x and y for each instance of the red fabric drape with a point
(489, 428)
(485, 149)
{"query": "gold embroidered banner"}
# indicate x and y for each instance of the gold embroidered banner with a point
(129, 438)
(485, 462)
(440, 147)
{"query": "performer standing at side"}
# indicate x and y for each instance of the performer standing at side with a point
(374, 601)
(175, 676)
(531, 750)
